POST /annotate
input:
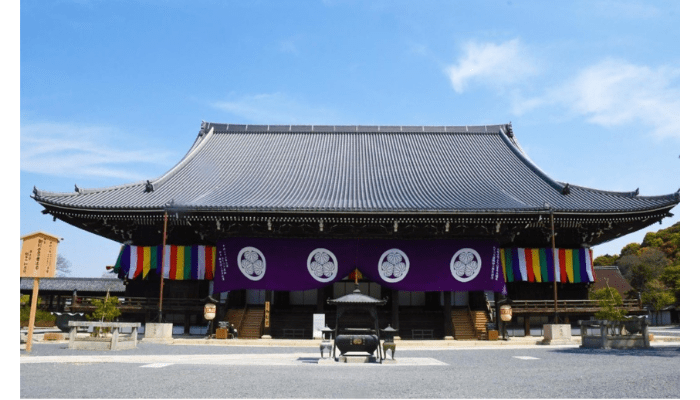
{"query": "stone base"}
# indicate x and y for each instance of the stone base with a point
(449, 338)
(328, 360)
(357, 359)
(556, 334)
(266, 337)
(614, 342)
(389, 361)
(158, 332)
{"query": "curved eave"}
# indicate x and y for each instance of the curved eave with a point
(379, 212)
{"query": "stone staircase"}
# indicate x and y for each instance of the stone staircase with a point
(469, 325)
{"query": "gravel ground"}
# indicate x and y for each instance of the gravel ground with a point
(524, 372)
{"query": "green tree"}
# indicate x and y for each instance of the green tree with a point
(630, 249)
(105, 310)
(657, 295)
(25, 309)
(671, 278)
(652, 267)
(610, 303)
(605, 260)
(650, 263)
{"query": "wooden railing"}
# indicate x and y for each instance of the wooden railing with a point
(566, 306)
(139, 304)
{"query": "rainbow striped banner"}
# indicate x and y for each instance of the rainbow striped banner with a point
(182, 262)
(543, 265)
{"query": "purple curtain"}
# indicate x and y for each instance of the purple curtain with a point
(412, 265)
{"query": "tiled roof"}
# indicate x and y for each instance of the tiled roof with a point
(372, 169)
(610, 275)
(71, 284)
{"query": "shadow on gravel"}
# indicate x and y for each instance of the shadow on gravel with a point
(666, 352)
(308, 360)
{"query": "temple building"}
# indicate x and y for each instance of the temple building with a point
(276, 219)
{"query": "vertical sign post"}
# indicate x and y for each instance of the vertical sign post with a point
(37, 260)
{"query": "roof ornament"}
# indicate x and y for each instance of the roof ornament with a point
(149, 187)
(203, 128)
(77, 189)
(566, 189)
(636, 192)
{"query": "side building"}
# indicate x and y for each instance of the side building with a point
(436, 219)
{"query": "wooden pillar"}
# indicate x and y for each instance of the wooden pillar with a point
(320, 294)
(447, 313)
(526, 324)
(395, 309)
(187, 323)
(74, 301)
(267, 320)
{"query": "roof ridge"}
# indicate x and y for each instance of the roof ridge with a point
(324, 128)
(630, 194)
(201, 139)
(509, 138)
(48, 193)
(205, 133)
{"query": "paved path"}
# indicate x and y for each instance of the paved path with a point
(193, 367)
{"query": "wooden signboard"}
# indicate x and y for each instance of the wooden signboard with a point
(37, 260)
(38, 257)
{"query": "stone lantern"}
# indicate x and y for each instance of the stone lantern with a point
(389, 344)
(326, 336)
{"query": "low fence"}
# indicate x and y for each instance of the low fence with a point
(529, 316)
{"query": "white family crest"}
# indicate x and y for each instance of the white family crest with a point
(393, 265)
(251, 262)
(322, 265)
(465, 265)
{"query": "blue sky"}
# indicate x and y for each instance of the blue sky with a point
(113, 92)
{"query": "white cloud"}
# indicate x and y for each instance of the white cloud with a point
(85, 151)
(276, 108)
(615, 92)
(494, 64)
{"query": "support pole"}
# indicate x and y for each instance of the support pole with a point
(447, 313)
(395, 310)
(162, 269)
(32, 314)
(556, 303)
